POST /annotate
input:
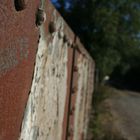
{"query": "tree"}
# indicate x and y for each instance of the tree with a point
(110, 30)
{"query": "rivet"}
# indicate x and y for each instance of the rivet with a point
(61, 34)
(69, 42)
(70, 132)
(74, 90)
(75, 69)
(72, 111)
(40, 17)
(20, 4)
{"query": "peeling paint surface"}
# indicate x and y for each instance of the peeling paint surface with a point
(41, 94)
(79, 122)
(44, 113)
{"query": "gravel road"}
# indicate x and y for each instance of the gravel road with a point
(125, 109)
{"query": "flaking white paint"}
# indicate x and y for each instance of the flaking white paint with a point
(43, 118)
(79, 120)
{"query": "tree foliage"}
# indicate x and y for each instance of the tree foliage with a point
(110, 30)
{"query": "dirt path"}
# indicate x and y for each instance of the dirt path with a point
(125, 110)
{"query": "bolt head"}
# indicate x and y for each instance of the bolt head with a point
(74, 90)
(40, 17)
(75, 68)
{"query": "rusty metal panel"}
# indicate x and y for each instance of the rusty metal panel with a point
(79, 96)
(44, 68)
(45, 112)
(82, 92)
(66, 115)
(46, 103)
(18, 44)
(72, 106)
(88, 100)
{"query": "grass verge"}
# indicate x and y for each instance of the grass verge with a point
(101, 120)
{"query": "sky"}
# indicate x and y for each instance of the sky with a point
(67, 3)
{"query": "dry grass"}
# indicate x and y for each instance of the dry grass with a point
(101, 120)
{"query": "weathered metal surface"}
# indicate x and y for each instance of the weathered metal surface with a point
(44, 68)
(81, 96)
(70, 71)
(45, 108)
(79, 119)
(73, 95)
(18, 43)
(88, 103)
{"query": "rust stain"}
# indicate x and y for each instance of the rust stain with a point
(65, 120)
